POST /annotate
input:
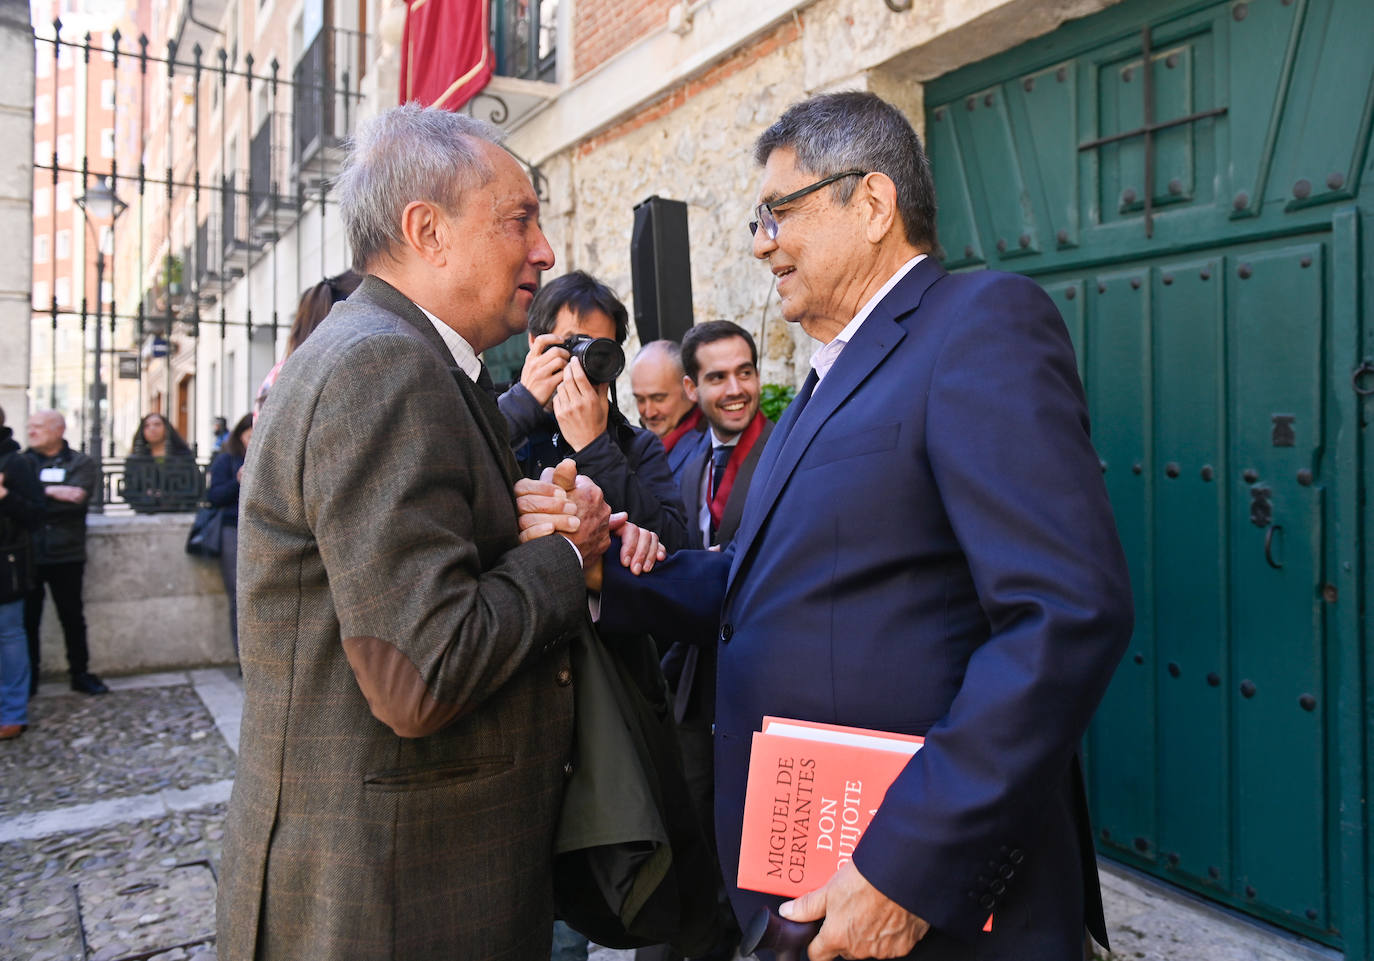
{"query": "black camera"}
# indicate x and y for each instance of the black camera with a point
(602, 359)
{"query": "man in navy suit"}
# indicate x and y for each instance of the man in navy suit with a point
(926, 548)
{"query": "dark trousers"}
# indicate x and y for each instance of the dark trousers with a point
(228, 570)
(64, 581)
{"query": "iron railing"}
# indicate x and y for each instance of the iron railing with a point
(524, 36)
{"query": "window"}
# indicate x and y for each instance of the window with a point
(42, 108)
(106, 291)
(107, 94)
(64, 195)
(64, 57)
(107, 239)
(64, 102)
(64, 291)
(42, 202)
(64, 244)
(40, 295)
(107, 143)
(44, 68)
(40, 249)
(64, 149)
(42, 152)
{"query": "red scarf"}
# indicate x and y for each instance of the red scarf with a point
(686, 425)
(732, 467)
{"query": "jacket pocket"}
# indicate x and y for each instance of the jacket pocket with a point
(872, 440)
(420, 778)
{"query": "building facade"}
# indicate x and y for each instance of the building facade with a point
(1187, 178)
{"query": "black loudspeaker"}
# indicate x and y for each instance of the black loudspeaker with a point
(661, 270)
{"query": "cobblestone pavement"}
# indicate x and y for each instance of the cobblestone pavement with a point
(112, 814)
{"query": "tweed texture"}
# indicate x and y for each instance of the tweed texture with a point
(377, 504)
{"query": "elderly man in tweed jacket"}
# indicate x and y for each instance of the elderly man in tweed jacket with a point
(408, 701)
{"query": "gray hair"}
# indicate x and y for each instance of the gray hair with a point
(405, 154)
(852, 130)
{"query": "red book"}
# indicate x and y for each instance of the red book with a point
(813, 789)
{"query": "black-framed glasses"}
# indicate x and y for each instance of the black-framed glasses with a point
(763, 213)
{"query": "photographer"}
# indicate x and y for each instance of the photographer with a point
(557, 410)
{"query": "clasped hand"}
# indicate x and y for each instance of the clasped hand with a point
(565, 502)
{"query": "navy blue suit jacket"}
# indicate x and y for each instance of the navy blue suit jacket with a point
(927, 547)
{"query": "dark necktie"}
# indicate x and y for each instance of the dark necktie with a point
(720, 456)
(484, 381)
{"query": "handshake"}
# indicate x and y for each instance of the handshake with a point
(565, 502)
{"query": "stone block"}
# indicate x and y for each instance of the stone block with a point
(149, 605)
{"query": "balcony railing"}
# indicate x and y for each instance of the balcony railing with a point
(325, 100)
(150, 485)
(524, 34)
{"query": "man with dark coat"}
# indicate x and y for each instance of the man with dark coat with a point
(927, 548)
(403, 633)
(554, 411)
(68, 479)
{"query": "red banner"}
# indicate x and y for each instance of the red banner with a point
(446, 55)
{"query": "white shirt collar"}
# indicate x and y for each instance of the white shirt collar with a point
(463, 354)
(825, 356)
(717, 442)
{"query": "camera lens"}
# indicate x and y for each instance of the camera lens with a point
(602, 359)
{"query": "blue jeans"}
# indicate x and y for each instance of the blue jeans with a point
(14, 664)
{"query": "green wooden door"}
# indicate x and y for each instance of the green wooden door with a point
(1198, 223)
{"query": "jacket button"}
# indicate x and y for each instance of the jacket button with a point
(998, 887)
(987, 901)
(567, 769)
(1006, 871)
(564, 677)
(726, 632)
(1016, 856)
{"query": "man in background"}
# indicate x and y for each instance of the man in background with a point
(68, 479)
(664, 407)
(554, 411)
(721, 376)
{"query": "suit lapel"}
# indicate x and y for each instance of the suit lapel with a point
(691, 493)
(874, 340)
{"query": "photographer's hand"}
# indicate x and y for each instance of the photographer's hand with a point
(581, 407)
(543, 370)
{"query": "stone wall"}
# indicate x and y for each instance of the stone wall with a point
(692, 141)
(149, 605)
(16, 207)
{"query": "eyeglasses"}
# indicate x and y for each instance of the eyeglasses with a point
(764, 211)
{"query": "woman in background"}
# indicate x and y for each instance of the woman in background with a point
(225, 473)
(315, 305)
(160, 473)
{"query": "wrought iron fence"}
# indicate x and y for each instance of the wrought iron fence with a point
(190, 232)
(218, 159)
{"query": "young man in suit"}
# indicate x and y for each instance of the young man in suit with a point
(927, 548)
(720, 366)
(407, 693)
(663, 404)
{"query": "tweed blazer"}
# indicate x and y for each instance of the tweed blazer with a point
(408, 702)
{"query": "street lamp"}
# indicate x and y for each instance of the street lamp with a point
(99, 203)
